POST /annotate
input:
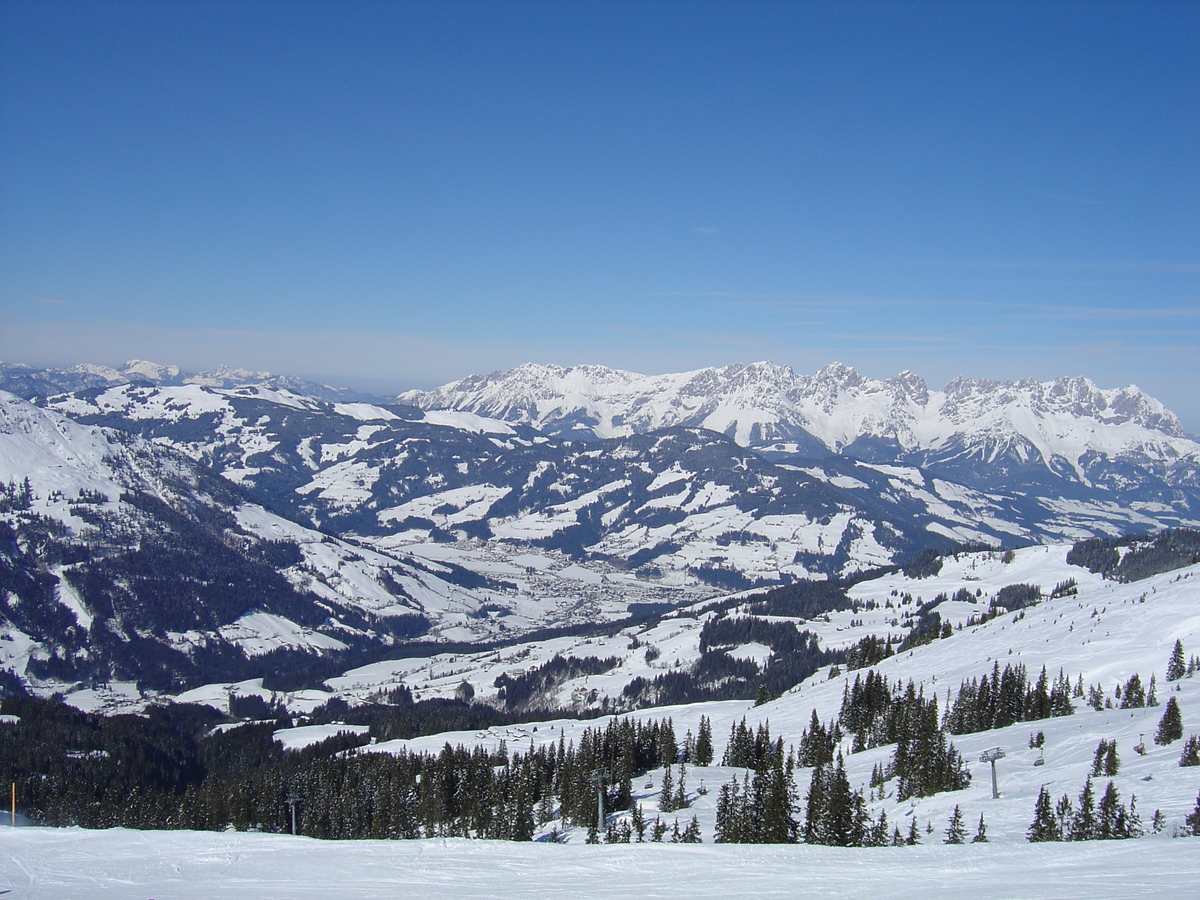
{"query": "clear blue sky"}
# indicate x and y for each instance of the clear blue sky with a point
(397, 194)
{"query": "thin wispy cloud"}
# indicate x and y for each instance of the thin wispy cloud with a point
(47, 301)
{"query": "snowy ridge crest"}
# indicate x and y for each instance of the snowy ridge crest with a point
(767, 406)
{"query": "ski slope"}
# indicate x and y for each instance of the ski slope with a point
(69, 864)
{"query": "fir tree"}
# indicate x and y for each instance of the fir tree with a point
(1191, 752)
(679, 801)
(666, 796)
(955, 832)
(638, 821)
(704, 744)
(1083, 825)
(1044, 826)
(1175, 665)
(1110, 815)
(1112, 762)
(1106, 761)
(1193, 820)
(980, 832)
(1134, 695)
(1170, 726)
(658, 830)
(914, 833)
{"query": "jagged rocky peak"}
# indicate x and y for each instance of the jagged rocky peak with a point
(910, 386)
(1075, 396)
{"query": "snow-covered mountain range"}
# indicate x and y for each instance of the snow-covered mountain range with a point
(354, 524)
(1067, 428)
(29, 381)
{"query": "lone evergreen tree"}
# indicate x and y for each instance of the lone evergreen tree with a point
(955, 832)
(1176, 667)
(1170, 726)
(980, 832)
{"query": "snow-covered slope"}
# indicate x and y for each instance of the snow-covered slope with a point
(1102, 635)
(65, 864)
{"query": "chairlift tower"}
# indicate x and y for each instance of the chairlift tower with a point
(600, 778)
(292, 800)
(990, 756)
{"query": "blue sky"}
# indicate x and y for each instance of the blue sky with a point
(398, 194)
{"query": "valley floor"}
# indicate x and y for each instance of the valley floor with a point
(67, 864)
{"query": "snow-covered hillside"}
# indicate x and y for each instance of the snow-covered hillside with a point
(1101, 635)
(1098, 632)
(94, 516)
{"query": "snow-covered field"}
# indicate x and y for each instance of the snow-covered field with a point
(70, 864)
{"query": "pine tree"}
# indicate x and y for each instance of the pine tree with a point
(914, 833)
(1112, 762)
(704, 744)
(679, 801)
(1134, 695)
(1170, 726)
(1175, 665)
(1083, 826)
(1044, 826)
(1191, 752)
(1152, 693)
(666, 796)
(638, 821)
(1106, 761)
(980, 832)
(955, 832)
(691, 834)
(1109, 815)
(1193, 820)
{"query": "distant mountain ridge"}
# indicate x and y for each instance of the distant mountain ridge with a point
(1067, 427)
(29, 382)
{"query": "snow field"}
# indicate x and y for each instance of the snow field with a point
(68, 864)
